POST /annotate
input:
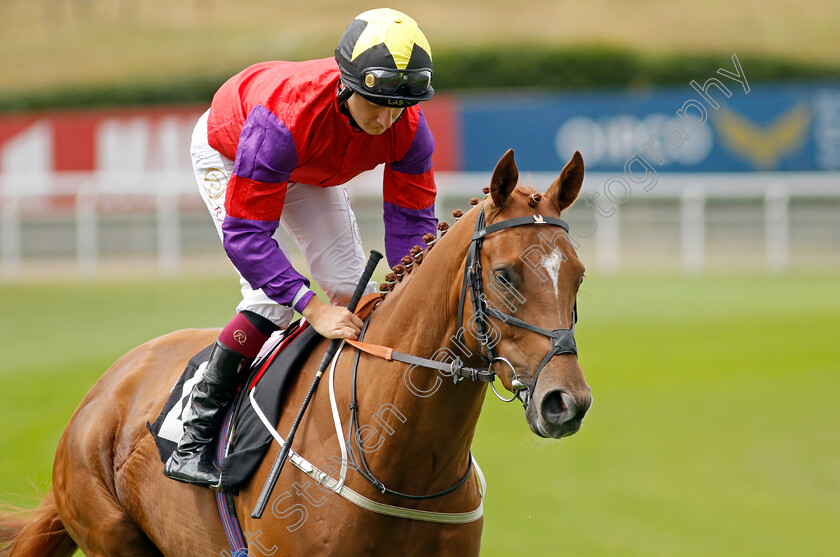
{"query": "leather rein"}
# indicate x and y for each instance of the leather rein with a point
(563, 342)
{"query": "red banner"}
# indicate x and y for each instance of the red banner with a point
(154, 139)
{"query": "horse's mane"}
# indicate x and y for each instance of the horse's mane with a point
(415, 257)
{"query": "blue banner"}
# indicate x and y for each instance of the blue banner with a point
(720, 125)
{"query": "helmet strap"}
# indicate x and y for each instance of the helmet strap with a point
(344, 93)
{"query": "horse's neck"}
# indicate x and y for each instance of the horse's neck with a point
(420, 318)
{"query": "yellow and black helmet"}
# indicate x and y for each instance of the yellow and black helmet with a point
(384, 57)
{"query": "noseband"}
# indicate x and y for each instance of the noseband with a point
(562, 340)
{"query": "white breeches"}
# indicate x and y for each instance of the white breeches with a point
(320, 220)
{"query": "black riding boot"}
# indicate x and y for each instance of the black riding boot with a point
(192, 461)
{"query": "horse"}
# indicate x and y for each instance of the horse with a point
(109, 496)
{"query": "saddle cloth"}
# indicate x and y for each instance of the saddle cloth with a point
(251, 440)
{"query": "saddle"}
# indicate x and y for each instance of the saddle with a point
(250, 440)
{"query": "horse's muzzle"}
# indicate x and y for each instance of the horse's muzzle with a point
(558, 413)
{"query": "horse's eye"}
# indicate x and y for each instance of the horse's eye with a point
(502, 276)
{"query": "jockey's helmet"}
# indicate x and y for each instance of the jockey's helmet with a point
(384, 57)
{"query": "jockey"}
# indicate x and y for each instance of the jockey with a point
(276, 146)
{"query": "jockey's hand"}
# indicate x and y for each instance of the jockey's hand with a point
(332, 321)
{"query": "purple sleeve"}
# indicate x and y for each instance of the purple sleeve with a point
(418, 158)
(404, 228)
(409, 196)
(256, 255)
(266, 151)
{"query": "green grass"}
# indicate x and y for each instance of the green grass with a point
(57, 339)
(714, 429)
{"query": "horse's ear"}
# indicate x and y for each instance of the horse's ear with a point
(505, 177)
(566, 188)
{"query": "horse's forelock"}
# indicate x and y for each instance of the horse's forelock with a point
(525, 189)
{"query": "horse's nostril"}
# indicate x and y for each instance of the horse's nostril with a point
(555, 407)
(558, 407)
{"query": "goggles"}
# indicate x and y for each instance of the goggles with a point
(387, 81)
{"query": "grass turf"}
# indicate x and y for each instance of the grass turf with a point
(714, 429)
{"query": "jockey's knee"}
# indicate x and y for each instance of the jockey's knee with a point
(281, 316)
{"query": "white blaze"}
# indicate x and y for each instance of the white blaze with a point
(551, 264)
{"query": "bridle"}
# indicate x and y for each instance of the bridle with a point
(562, 340)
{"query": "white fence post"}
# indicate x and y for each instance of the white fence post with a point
(777, 229)
(693, 229)
(10, 250)
(608, 244)
(168, 230)
(87, 241)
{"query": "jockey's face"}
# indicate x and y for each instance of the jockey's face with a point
(372, 118)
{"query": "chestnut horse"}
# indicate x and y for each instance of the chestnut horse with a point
(109, 496)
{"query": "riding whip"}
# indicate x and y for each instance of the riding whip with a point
(277, 467)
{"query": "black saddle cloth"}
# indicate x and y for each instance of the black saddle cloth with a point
(251, 440)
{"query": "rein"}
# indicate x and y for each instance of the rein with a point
(456, 369)
(563, 342)
(354, 432)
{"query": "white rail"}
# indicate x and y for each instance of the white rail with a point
(87, 198)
